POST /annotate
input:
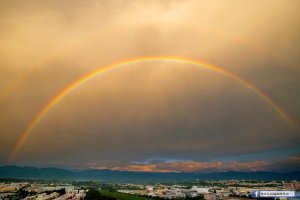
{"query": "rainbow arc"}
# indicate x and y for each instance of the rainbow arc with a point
(280, 111)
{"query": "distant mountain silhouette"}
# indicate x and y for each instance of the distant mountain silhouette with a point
(106, 175)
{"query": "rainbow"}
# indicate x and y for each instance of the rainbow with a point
(93, 74)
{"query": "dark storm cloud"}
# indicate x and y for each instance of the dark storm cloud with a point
(153, 109)
(137, 112)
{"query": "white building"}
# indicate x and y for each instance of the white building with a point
(200, 190)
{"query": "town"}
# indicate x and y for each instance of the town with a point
(79, 190)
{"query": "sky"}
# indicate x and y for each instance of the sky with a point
(152, 115)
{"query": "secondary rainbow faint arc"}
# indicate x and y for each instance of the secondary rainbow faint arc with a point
(198, 63)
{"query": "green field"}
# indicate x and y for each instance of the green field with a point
(120, 196)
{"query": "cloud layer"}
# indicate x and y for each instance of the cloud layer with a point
(292, 163)
(153, 109)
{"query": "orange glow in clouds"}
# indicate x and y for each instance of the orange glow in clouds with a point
(191, 166)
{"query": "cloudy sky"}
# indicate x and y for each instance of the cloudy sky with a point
(151, 115)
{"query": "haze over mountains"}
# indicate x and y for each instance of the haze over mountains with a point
(106, 175)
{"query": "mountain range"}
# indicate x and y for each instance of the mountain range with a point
(106, 175)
